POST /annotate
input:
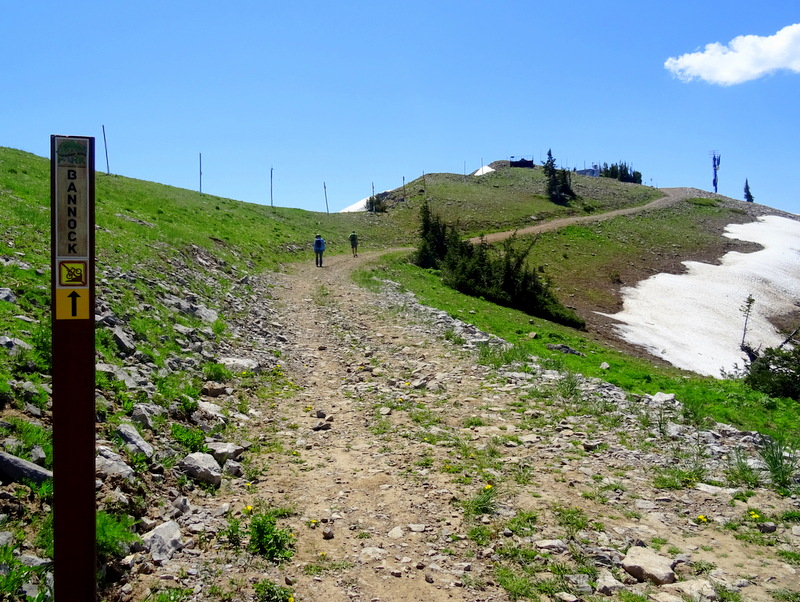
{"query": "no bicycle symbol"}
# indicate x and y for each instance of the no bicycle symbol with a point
(72, 273)
(72, 293)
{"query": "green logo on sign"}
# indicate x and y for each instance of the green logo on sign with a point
(71, 152)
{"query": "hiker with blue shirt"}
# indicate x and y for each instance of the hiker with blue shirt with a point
(319, 249)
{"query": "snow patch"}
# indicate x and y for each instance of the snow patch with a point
(694, 320)
(483, 171)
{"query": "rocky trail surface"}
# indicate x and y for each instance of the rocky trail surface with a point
(414, 473)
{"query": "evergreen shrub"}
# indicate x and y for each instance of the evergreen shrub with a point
(502, 277)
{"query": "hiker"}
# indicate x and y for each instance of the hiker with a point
(354, 243)
(319, 248)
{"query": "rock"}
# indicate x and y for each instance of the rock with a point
(33, 410)
(133, 441)
(130, 376)
(646, 565)
(144, 413)
(181, 504)
(163, 541)
(395, 533)
(767, 527)
(239, 364)
(208, 415)
(108, 464)
(205, 314)
(123, 341)
(373, 553)
(714, 490)
(233, 468)
(552, 545)
(565, 349)
(202, 467)
(693, 589)
(224, 451)
(18, 470)
(663, 398)
(38, 456)
(13, 345)
(607, 584)
(212, 389)
(7, 295)
(211, 408)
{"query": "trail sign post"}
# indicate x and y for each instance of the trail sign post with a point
(72, 262)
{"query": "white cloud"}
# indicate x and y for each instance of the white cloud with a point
(744, 58)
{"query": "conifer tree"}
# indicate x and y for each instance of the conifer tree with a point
(747, 195)
(551, 178)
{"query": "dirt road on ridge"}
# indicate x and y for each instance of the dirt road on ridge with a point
(671, 196)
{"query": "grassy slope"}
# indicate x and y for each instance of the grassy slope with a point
(585, 263)
(592, 261)
(238, 232)
(507, 199)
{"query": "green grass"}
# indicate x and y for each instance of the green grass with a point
(509, 199)
(234, 231)
(267, 591)
(590, 260)
(112, 534)
(143, 231)
(29, 436)
(267, 540)
(482, 502)
(726, 401)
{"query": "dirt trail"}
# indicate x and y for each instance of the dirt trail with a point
(355, 480)
(379, 497)
(671, 196)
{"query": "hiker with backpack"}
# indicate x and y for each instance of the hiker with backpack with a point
(319, 249)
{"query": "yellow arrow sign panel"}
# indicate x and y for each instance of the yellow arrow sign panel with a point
(72, 304)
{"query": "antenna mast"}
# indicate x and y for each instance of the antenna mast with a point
(715, 157)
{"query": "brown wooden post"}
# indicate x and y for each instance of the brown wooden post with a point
(72, 193)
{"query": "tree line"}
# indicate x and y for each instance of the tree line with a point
(500, 276)
(622, 172)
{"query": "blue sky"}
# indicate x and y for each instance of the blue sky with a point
(352, 94)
